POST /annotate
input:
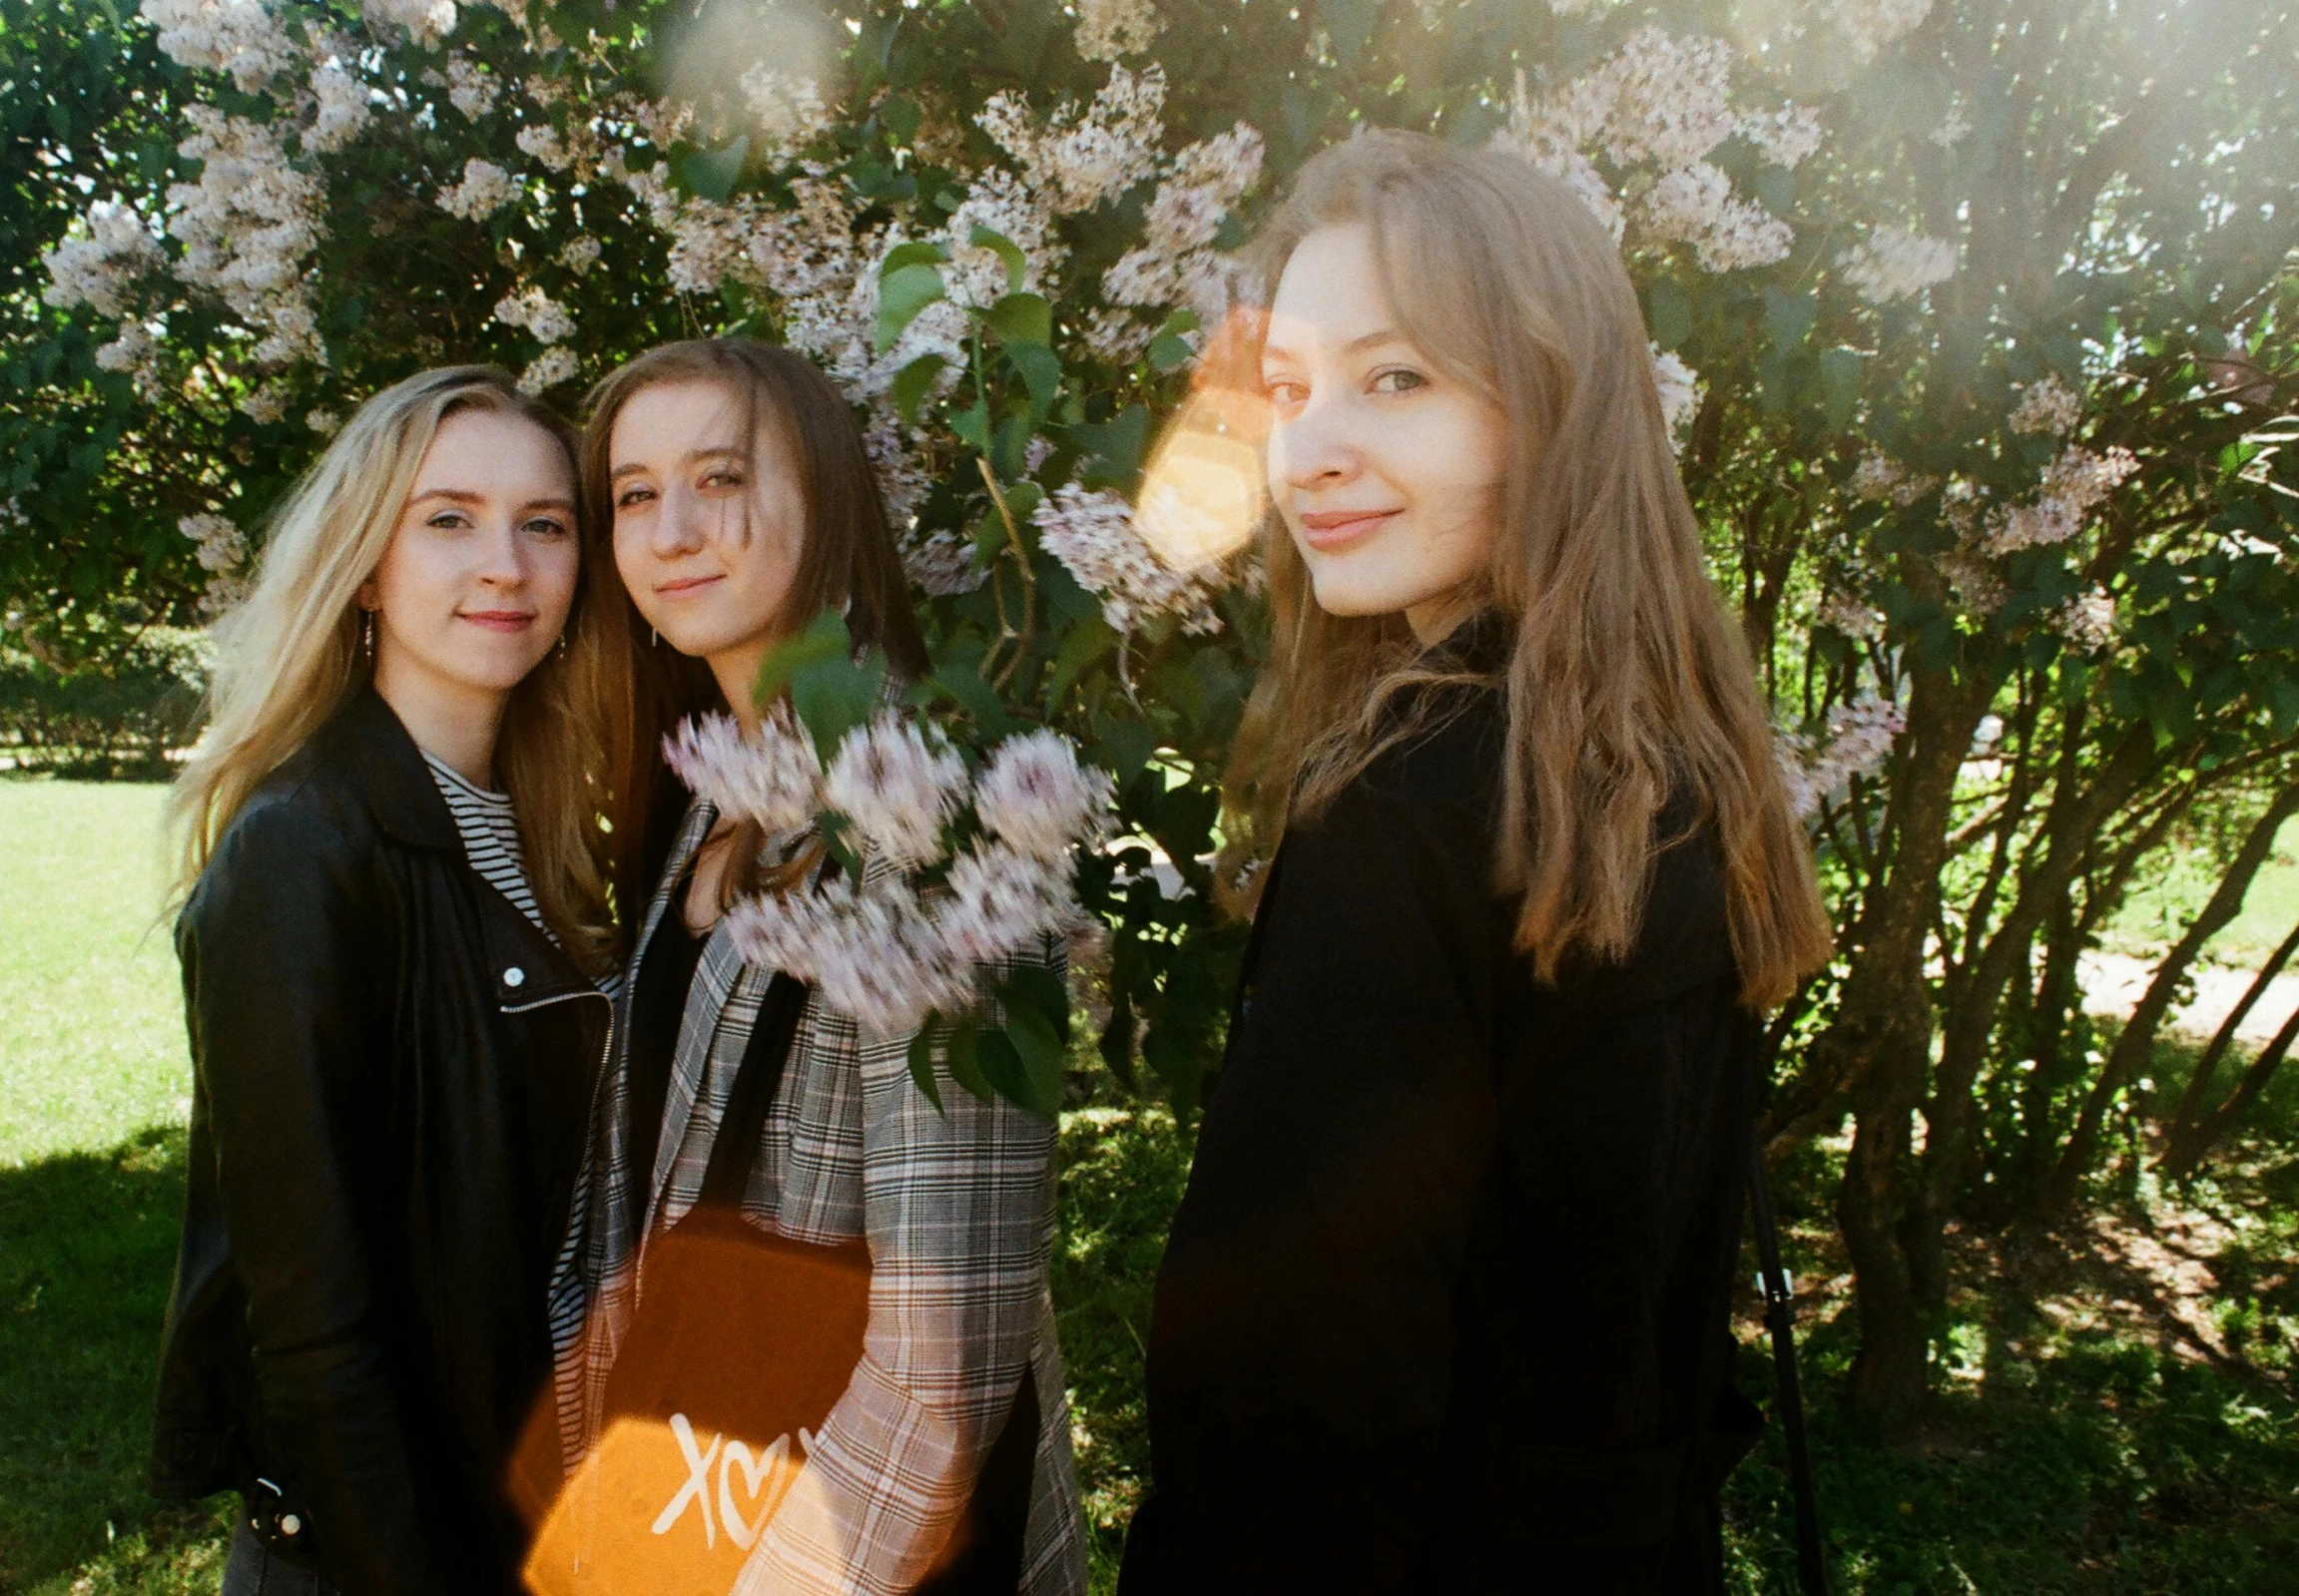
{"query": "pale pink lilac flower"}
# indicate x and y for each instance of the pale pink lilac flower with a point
(538, 314)
(1858, 740)
(1853, 617)
(484, 189)
(101, 260)
(898, 785)
(246, 227)
(2047, 405)
(1108, 29)
(341, 109)
(1679, 388)
(1870, 25)
(775, 779)
(472, 89)
(556, 365)
(220, 545)
(999, 899)
(238, 37)
(1896, 262)
(1038, 799)
(1093, 535)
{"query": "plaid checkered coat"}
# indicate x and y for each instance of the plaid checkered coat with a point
(957, 1208)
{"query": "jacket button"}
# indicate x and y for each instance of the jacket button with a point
(514, 976)
(290, 1525)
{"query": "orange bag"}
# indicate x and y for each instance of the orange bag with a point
(734, 1355)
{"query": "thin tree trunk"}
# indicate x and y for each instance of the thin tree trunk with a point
(2184, 1154)
(2198, 1090)
(2138, 1043)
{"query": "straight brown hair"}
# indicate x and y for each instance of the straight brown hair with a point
(849, 562)
(1626, 685)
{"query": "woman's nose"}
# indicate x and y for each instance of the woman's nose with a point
(678, 527)
(1320, 447)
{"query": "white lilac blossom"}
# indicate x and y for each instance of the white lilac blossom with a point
(1081, 156)
(941, 563)
(266, 404)
(2073, 484)
(101, 261)
(1853, 617)
(580, 254)
(1672, 99)
(1035, 797)
(1093, 535)
(426, 21)
(538, 314)
(547, 370)
(788, 113)
(484, 189)
(1177, 263)
(774, 779)
(1784, 137)
(2087, 621)
(1858, 740)
(1695, 204)
(472, 89)
(1679, 388)
(1108, 29)
(341, 109)
(135, 354)
(1870, 25)
(238, 37)
(1879, 476)
(1953, 128)
(1896, 262)
(872, 954)
(898, 785)
(1000, 899)
(541, 142)
(220, 545)
(246, 227)
(324, 422)
(2047, 405)
(1547, 135)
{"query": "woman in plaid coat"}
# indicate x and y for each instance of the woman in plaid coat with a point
(742, 503)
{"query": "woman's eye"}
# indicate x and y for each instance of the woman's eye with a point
(450, 520)
(722, 479)
(631, 497)
(544, 527)
(1285, 394)
(1398, 379)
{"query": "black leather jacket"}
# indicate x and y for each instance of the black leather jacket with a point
(392, 1069)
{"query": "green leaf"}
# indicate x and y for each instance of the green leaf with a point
(1022, 319)
(711, 174)
(1113, 448)
(920, 253)
(1348, 23)
(1083, 644)
(1169, 352)
(1042, 1055)
(964, 1058)
(911, 385)
(1041, 370)
(900, 117)
(833, 697)
(1041, 990)
(1788, 317)
(824, 637)
(1840, 385)
(922, 1062)
(972, 425)
(903, 293)
(1017, 265)
(1668, 312)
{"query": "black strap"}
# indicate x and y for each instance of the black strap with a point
(1780, 1318)
(757, 1079)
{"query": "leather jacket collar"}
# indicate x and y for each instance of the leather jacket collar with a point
(366, 739)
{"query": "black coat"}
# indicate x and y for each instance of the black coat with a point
(393, 1070)
(1444, 1308)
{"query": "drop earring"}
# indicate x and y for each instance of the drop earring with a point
(654, 638)
(562, 645)
(368, 633)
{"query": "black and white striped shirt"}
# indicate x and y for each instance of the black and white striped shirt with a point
(490, 832)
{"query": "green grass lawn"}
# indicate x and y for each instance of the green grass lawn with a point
(2160, 907)
(2117, 1413)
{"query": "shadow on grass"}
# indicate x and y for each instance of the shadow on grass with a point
(87, 1243)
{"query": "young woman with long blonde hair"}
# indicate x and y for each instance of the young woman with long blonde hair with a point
(1445, 1306)
(394, 918)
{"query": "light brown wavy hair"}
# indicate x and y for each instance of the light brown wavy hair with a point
(290, 657)
(1626, 683)
(848, 562)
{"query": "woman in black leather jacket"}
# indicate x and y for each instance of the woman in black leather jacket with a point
(1445, 1304)
(394, 925)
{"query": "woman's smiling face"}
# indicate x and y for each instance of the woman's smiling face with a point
(710, 518)
(1386, 470)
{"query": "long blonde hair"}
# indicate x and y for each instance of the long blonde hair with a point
(290, 656)
(1626, 683)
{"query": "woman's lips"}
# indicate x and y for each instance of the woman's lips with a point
(1330, 530)
(500, 620)
(686, 585)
